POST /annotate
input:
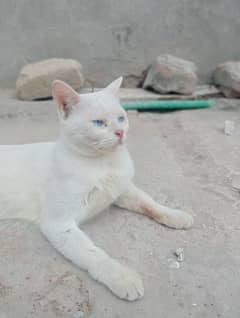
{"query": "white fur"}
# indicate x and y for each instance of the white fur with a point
(61, 184)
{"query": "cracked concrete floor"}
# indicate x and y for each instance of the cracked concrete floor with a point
(184, 160)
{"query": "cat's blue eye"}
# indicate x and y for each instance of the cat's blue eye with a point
(121, 119)
(99, 122)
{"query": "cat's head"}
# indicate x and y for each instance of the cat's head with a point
(93, 122)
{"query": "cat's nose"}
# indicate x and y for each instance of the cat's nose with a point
(119, 133)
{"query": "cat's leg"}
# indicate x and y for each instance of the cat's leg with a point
(136, 200)
(70, 241)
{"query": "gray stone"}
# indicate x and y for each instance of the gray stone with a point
(170, 74)
(131, 81)
(227, 77)
(34, 80)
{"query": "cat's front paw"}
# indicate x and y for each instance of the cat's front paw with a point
(125, 283)
(122, 281)
(179, 219)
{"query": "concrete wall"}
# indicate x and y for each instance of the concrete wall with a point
(112, 37)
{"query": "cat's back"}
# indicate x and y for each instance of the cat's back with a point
(17, 159)
(16, 153)
(22, 174)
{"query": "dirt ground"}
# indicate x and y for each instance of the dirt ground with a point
(184, 160)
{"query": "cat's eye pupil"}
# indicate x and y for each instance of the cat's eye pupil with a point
(121, 119)
(98, 122)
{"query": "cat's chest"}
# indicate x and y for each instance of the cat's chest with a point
(90, 186)
(112, 184)
(105, 190)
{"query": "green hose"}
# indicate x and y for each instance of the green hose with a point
(165, 104)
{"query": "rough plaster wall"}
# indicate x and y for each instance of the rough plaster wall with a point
(113, 37)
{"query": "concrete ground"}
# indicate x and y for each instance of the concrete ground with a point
(182, 159)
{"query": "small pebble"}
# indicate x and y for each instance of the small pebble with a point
(78, 314)
(173, 264)
(179, 254)
(229, 127)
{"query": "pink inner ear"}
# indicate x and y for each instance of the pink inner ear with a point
(64, 96)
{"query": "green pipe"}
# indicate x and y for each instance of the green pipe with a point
(165, 104)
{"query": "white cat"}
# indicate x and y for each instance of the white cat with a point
(61, 184)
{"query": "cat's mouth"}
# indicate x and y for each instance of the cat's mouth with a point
(120, 141)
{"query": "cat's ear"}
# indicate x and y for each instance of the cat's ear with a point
(114, 87)
(65, 97)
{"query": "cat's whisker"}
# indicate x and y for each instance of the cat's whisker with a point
(107, 141)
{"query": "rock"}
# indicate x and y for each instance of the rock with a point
(131, 81)
(170, 74)
(35, 80)
(227, 78)
(229, 127)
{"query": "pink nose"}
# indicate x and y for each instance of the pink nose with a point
(119, 133)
